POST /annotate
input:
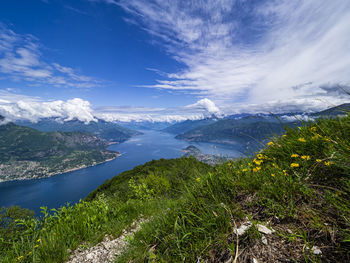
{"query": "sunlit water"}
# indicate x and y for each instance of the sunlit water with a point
(58, 190)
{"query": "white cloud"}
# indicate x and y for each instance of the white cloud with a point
(205, 104)
(21, 59)
(199, 110)
(19, 107)
(237, 51)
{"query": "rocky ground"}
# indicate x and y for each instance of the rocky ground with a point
(107, 250)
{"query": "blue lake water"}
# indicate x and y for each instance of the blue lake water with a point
(58, 190)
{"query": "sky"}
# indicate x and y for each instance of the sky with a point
(162, 60)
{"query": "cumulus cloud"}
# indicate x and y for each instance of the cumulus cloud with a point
(21, 59)
(256, 52)
(199, 110)
(205, 104)
(19, 107)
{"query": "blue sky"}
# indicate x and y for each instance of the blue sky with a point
(171, 60)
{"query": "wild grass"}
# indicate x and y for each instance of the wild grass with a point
(299, 184)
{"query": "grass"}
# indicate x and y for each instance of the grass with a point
(299, 185)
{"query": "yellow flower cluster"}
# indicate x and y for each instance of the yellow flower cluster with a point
(313, 129)
(305, 157)
(293, 165)
(301, 140)
(255, 169)
(294, 155)
(270, 144)
(257, 162)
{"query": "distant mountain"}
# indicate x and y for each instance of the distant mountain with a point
(188, 125)
(103, 129)
(26, 153)
(145, 125)
(248, 131)
(338, 110)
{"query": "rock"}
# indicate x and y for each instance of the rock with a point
(264, 240)
(243, 228)
(316, 250)
(263, 229)
(255, 260)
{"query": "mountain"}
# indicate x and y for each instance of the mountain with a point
(145, 125)
(246, 130)
(187, 125)
(334, 111)
(106, 130)
(251, 131)
(26, 153)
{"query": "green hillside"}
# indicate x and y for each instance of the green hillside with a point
(298, 186)
(27, 153)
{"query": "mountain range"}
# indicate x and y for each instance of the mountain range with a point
(106, 130)
(26, 153)
(246, 131)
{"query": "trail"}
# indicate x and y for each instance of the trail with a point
(107, 250)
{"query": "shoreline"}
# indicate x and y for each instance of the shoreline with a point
(62, 172)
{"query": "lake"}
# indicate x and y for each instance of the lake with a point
(60, 189)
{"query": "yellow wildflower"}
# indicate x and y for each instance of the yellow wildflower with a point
(301, 140)
(294, 155)
(255, 169)
(229, 164)
(38, 240)
(294, 165)
(284, 135)
(19, 258)
(270, 143)
(305, 157)
(284, 172)
(272, 174)
(29, 253)
(327, 139)
(327, 163)
(317, 136)
(244, 170)
(260, 156)
(198, 179)
(313, 128)
(257, 162)
(36, 246)
(275, 165)
(318, 160)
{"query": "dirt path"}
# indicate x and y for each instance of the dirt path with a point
(105, 251)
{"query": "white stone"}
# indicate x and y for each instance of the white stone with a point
(264, 240)
(263, 229)
(255, 260)
(316, 250)
(243, 228)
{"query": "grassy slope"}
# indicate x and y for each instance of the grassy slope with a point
(299, 184)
